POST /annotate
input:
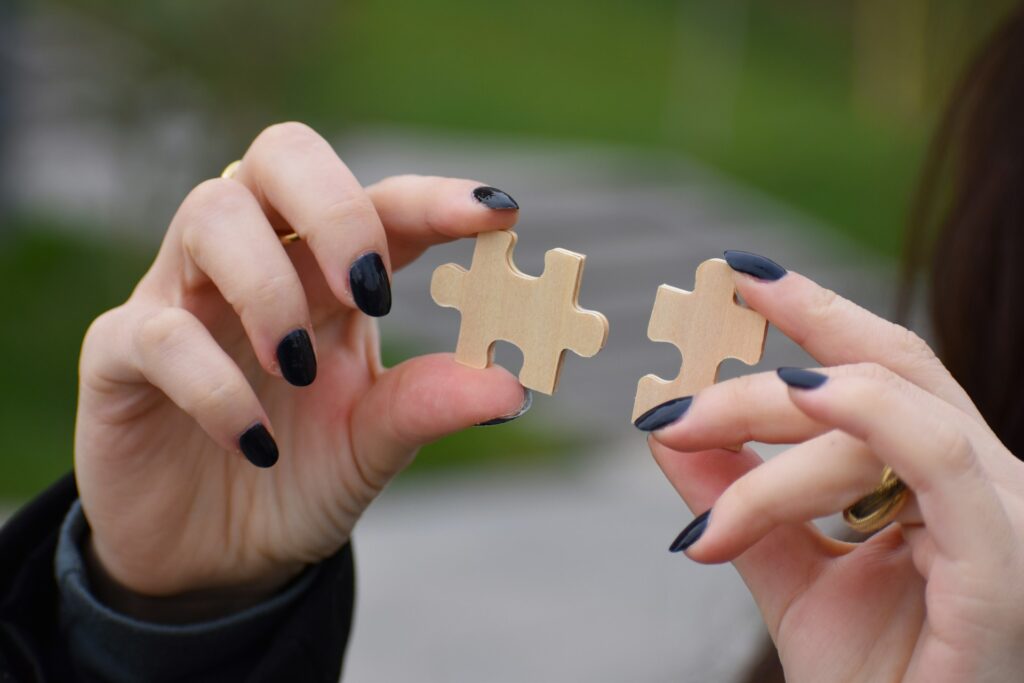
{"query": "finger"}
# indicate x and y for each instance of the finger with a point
(813, 479)
(835, 331)
(748, 408)
(301, 182)
(928, 444)
(784, 561)
(420, 211)
(229, 242)
(419, 401)
(171, 349)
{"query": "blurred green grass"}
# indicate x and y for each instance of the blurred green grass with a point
(56, 283)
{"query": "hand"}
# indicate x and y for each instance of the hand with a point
(173, 378)
(935, 597)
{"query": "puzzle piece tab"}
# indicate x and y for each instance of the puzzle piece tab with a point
(707, 325)
(538, 314)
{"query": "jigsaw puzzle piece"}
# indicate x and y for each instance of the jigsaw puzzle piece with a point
(537, 314)
(708, 326)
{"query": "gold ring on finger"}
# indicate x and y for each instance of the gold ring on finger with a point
(229, 172)
(878, 508)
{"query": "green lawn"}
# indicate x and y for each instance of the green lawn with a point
(55, 285)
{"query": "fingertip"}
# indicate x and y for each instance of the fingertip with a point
(494, 199)
(296, 358)
(523, 409)
(691, 533)
(760, 268)
(436, 395)
(258, 446)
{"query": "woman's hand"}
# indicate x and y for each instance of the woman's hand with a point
(936, 597)
(192, 363)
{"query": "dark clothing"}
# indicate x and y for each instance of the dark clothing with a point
(53, 629)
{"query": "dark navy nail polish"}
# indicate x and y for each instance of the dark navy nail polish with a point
(297, 359)
(691, 534)
(760, 267)
(493, 198)
(258, 446)
(371, 287)
(663, 415)
(527, 402)
(798, 378)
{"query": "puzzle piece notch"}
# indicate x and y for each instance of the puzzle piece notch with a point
(708, 326)
(539, 315)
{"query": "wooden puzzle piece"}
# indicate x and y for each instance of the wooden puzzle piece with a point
(707, 325)
(538, 314)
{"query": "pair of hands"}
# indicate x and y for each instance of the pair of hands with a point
(171, 379)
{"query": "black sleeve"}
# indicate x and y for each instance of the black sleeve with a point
(298, 636)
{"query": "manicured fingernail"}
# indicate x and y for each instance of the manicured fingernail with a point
(258, 446)
(527, 402)
(493, 198)
(798, 378)
(691, 534)
(663, 415)
(760, 267)
(297, 359)
(371, 288)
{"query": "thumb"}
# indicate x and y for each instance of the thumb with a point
(421, 400)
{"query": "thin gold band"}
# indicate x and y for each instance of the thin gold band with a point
(229, 172)
(878, 508)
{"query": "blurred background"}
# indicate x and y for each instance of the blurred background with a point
(649, 135)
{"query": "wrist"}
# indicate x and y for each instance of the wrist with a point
(184, 607)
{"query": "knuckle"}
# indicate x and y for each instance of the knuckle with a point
(162, 329)
(285, 135)
(916, 348)
(100, 331)
(876, 373)
(103, 324)
(350, 210)
(211, 200)
(213, 397)
(954, 452)
(271, 291)
(823, 303)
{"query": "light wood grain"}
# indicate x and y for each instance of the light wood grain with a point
(540, 315)
(707, 325)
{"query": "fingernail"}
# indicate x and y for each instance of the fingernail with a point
(663, 415)
(691, 534)
(493, 198)
(258, 446)
(752, 264)
(527, 402)
(297, 359)
(371, 288)
(798, 378)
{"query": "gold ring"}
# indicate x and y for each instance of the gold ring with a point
(229, 172)
(878, 508)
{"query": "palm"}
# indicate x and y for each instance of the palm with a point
(858, 619)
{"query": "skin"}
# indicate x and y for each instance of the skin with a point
(183, 526)
(934, 597)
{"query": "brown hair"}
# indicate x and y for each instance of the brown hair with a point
(966, 236)
(967, 233)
